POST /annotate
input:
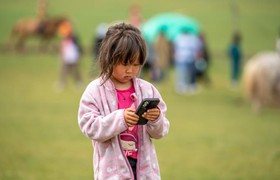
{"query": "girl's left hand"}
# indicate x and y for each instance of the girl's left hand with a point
(152, 114)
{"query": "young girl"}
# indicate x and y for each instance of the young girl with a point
(122, 149)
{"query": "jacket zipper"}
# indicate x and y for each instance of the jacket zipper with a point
(140, 129)
(125, 158)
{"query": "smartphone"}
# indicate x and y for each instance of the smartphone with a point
(147, 103)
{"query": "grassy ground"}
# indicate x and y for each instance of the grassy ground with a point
(213, 135)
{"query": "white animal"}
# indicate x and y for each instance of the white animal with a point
(262, 80)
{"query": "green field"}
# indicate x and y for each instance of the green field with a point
(213, 135)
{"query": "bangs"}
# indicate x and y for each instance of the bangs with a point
(131, 54)
(129, 49)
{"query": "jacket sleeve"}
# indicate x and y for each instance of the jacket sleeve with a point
(159, 128)
(95, 124)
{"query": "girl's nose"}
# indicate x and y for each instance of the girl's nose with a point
(129, 68)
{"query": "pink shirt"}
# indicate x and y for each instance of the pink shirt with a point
(129, 137)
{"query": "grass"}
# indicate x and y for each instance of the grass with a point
(213, 135)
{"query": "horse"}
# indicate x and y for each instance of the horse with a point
(262, 80)
(45, 30)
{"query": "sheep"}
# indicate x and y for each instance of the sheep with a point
(261, 80)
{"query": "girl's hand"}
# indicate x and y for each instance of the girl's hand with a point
(152, 114)
(130, 117)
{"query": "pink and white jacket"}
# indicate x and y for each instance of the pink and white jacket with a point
(100, 119)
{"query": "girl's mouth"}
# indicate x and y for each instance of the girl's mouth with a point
(127, 77)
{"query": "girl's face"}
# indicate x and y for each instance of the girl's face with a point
(124, 73)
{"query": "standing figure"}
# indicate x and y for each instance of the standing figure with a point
(106, 115)
(163, 55)
(147, 71)
(186, 49)
(98, 38)
(42, 10)
(42, 16)
(203, 61)
(134, 16)
(235, 55)
(70, 52)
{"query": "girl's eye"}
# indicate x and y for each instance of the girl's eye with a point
(127, 64)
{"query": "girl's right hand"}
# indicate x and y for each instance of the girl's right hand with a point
(130, 117)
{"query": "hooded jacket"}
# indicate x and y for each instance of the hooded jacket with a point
(100, 119)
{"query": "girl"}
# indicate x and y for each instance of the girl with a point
(122, 149)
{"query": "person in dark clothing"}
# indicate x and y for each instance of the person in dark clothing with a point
(235, 55)
(203, 61)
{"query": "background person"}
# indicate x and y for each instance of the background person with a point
(186, 49)
(98, 38)
(203, 61)
(134, 16)
(163, 51)
(235, 56)
(70, 53)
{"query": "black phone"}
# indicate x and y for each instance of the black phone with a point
(147, 103)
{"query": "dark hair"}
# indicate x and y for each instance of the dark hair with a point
(123, 43)
(236, 37)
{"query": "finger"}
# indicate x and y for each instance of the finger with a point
(150, 116)
(152, 113)
(131, 110)
(133, 120)
(154, 110)
(133, 117)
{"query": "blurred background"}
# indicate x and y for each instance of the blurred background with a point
(228, 128)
